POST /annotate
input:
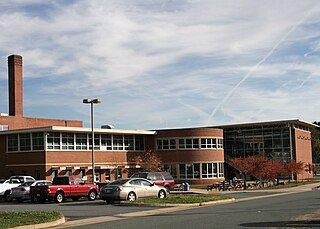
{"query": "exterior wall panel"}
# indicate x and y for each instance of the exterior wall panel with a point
(303, 151)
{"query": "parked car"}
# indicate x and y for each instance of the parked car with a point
(4, 181)
(14, 181)
(159, 178)
(22, 192)
(64, 187)
(131, 189)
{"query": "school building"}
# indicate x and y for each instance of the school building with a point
(45, 148)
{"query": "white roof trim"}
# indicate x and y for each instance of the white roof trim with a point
(79, 130)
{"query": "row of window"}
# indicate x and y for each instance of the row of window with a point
(77, 141)
(195, 170)
(25, 142)
(73, 141)
(189, 143)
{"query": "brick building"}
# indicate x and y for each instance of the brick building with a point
(45, 148)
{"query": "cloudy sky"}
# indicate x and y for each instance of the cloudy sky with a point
(165, 64)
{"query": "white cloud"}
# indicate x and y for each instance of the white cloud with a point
(167, 63)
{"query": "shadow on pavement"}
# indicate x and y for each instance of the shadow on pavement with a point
(277, 224)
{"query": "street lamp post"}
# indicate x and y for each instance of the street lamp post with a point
(92, 101)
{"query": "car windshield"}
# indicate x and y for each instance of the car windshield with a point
(139, 175)
(119, 182)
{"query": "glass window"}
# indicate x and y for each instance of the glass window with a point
(209, 170)
(204, 170)
(165, 144)
(81, 142)
(139, 142)
(13, 142)
(189, 143)
(96, 141)
(189, 170)
(172, 144)
(25, 142)
(181, 143)
(37, 141)
(158, 176)
(68, 141)
(53, 140)
(195, 143)
(106, 142)
(221, 169)
(220, 143)
(208, 143)
(117, 142)
(182, 170)
(129, 142)
(159, 144)
(78, 181)
(145, 183)
(196, 170)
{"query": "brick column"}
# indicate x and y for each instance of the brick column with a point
(15, 85)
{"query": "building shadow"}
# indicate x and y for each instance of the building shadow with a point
(285, 224)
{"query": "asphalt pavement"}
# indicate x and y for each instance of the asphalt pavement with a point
(241, 195)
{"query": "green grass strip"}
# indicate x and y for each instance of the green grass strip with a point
(183, 199)
(15, 219)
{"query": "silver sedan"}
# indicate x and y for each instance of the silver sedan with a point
(22, 192)
(131, 189)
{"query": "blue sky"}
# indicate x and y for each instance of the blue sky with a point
(165, 64)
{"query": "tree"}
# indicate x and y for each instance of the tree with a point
(148, 161)
(259, 166)
(293, 167)
(246, 166)
(272, 170)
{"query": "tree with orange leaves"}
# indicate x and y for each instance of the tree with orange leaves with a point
(149, 161)
(293, 167)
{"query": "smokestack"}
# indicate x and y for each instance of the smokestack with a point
(15, 85)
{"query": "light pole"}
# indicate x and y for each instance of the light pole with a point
(92, 101)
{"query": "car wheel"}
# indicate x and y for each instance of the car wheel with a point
(7, 197)
(92, 195)
(132, 196)
(59, 197)
(162, 194)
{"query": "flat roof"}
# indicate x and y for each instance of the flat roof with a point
(290, 121)
(78, 130)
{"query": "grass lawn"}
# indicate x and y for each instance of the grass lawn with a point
(182, 199)
(15, 219)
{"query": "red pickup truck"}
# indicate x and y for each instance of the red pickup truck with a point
(64, 187)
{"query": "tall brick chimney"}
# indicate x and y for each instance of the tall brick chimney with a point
(15, 85)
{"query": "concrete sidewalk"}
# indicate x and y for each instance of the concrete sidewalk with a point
(299, 188)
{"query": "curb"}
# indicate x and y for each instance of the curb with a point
(43, 225)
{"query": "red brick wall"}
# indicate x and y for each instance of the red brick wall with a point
(16, 122)
(303, 150)
(19, 162)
